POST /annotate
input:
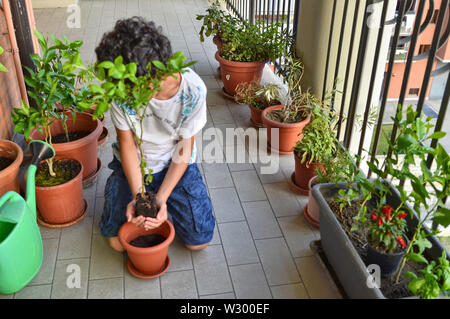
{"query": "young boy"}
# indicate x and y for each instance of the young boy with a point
(174, 117)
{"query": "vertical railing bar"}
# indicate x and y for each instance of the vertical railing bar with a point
(432, 55)
(278, 10)
(373, 75)
(347, 72)
(338, 57)
(387, 80)
(328, 51)
(358, 74)
(273, 9)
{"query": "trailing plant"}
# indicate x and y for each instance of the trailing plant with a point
(213, 22)
(257, 95)
(118, 83)
(2, 67)
(52, 88)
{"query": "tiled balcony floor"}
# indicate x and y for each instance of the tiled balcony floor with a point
(261, 244)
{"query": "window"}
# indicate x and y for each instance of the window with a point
(414, 91)
(435, 16)
(424, 48)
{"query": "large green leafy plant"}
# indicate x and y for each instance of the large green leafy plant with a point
(116, 82)
(52, 88)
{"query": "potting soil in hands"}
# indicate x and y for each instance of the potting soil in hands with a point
(147, 240)
(65, 170)
(146, 205)
(73, 136)
(5, 162)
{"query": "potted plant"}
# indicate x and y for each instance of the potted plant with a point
(214, 24)
(373, 212)
(258, 98)
(246, 49)
(120, 84)
(72, 133)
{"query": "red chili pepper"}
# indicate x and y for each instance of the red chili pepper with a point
(374, 217)
(380, 221)
(388, 233)
(401, 241)
(402, 215)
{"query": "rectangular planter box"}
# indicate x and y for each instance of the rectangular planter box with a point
(341, 253)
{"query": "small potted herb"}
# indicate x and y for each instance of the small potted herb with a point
(258, 98)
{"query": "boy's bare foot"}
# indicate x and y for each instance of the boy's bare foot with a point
(197, 247)
(115, 244)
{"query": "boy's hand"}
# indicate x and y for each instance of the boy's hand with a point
(131, 213)
(151, 223)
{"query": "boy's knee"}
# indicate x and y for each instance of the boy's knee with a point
(197, 247)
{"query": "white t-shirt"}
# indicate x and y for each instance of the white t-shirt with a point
(166, 121)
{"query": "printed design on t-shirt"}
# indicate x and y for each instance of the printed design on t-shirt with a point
(190, 99)
(127, 109)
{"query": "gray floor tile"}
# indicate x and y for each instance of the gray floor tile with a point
(276, 177)
(105, 262)
(71, 279)
(180, 256)
(47, 233)
(217, 175)
(111, 288)
(295, 291)
(261, 220)
(136, 288)
(2, 296)
(248, 186)
(89, 197)
(283, 201)
(317, 281)
(229, 295)
(238, 243)
(179, 285)
(216, 237)
(298, 235)
(98, 214)
(221, 114)
(226, 204)
(250, 282)
(277, 261)
(81, 234)
(211, 271)
(34, 292)
(45, 274)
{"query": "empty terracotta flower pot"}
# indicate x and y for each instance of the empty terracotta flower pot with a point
(311, 210)
(62, 205)
(84, 149)
(148, 262)
(304, 173)
(256, 116)
(288, 133)
(233, 73)
(9, 176)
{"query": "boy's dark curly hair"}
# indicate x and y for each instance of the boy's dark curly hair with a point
(136, 40)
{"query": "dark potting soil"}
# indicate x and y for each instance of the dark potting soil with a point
(5, 162)
(359, 240)
(73, 136)
(278, 116)
(65, 170)
(147, 240)
(146, 205)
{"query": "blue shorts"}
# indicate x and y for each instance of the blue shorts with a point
(188, 205)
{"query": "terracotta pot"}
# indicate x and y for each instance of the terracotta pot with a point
(311, 211)
(9, 177)
(218, 43)
(256, 116)
(304, 173)
(61, 205)
(102, 138)
(289, 133)
(233, 73)
(84, 149)
(150, 261)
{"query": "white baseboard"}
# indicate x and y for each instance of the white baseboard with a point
(43, 4)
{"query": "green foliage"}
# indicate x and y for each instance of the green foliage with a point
(214, 22)
(432, 280)
(52, 86)
(2, 67)
(341, 168)
(118, 83)
(257, 95)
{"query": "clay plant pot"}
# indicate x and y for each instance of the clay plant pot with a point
(311, 210)
(149, 262)
(62, 205)
(256, 116)
(303, 174)
(289, 133)
(9, 176)
(84, 149)
(102, 138)
(233, 73)
(218, 43)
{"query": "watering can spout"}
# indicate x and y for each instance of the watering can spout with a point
(41, 151)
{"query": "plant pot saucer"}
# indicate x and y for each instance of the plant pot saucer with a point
(297, 188)
(136, 273)
(102, 138)
(310, 220)
(227, 95)
(73, 222)
(275, 151)
(89, 181)
(255, 124)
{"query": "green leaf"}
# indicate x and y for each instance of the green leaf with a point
(442, 216)
(415, 285)
(437, 135)
(420, 126)
(96, 88)
(3, 68)
(417, 258)
(422, 244)
(106, 65)
(159, 65)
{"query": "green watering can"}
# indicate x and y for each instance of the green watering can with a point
(20, 239)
